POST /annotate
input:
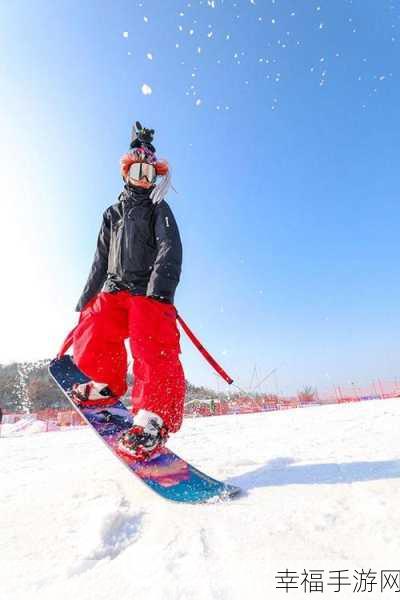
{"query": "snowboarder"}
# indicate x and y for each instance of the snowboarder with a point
(130, 294)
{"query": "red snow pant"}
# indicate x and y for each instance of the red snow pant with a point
(150, 325)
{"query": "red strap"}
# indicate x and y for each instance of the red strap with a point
(66, 343)
(204, 352)
(69, 339)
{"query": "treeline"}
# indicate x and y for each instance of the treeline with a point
(28, 387)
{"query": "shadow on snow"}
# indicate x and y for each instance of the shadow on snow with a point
(284, 471)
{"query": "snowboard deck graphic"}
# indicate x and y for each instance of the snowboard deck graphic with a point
(165, 473)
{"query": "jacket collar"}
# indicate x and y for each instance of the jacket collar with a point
(135, 195)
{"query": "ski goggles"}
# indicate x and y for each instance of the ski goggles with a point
(142, 170)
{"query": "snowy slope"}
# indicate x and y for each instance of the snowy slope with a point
(322, 488)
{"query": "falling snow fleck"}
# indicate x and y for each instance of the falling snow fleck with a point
(146, 90)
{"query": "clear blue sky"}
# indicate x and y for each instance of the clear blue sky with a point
(280, 122)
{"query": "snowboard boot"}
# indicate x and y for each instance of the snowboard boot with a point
(147, 435)
(92, 395)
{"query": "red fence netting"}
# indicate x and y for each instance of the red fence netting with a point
(53, 419)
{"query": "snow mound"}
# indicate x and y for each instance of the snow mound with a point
(112, 526)
(25, 426)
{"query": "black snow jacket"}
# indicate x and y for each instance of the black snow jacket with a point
(138, 249)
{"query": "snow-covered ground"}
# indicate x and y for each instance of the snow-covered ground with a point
(25, 426)
(322, 489)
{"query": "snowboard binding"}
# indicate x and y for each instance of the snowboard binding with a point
(92, 395)
(147, 435)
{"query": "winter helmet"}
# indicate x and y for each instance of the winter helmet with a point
(142, 150)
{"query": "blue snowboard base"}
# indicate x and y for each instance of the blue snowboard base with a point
(165, 473)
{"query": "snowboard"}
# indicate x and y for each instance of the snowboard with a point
(164, 472)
